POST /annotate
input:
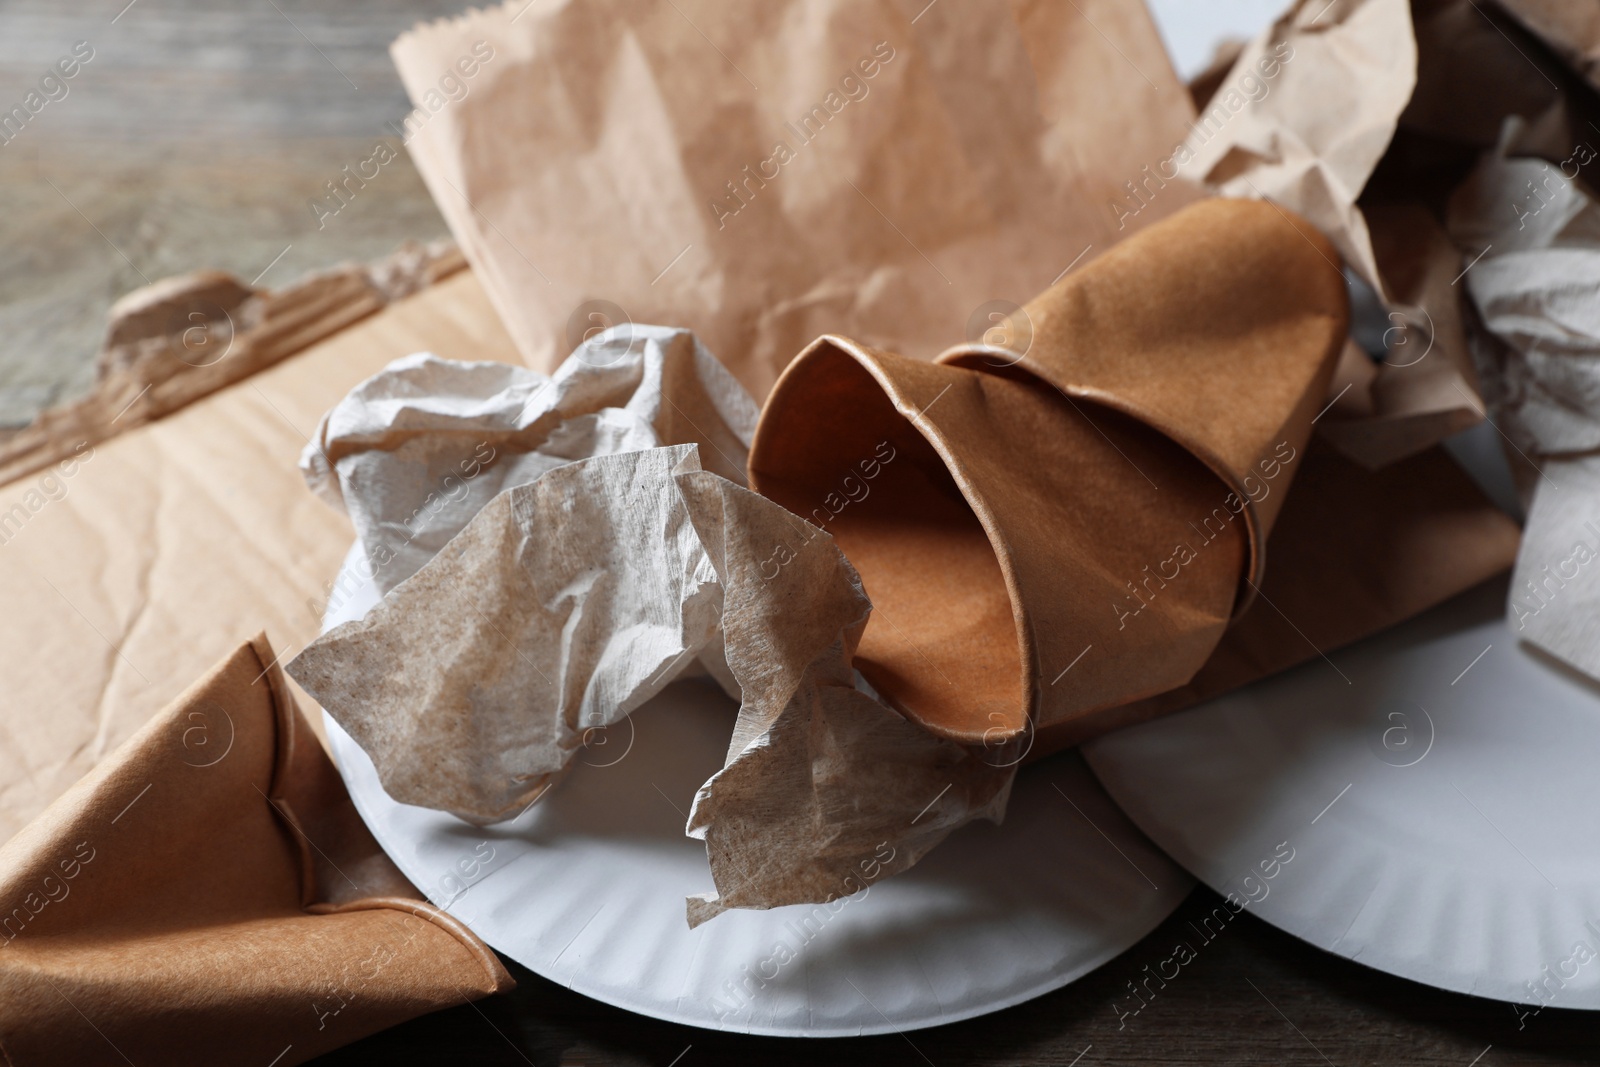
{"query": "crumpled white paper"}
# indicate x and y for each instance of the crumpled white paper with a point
(1537, 291)
(418, 449)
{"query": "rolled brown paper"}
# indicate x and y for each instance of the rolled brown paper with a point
(1048, 534)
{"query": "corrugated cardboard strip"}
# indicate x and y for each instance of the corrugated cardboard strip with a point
(182, 338)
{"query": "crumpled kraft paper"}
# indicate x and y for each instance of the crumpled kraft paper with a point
(1306, 114)
(1362, 115)
(1536, 292)
(765, 174)
(417, 450)
(208, 894)
(563, 605)
(1363, 125)
(1333, 95)
(1424, 388)
(1342, 78)
(825, 789)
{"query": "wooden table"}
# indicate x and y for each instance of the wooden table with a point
(195, 137)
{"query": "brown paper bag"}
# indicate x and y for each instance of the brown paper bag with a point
(764, 174)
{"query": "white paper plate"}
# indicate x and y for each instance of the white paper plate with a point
(587, 888)
(1441, 804)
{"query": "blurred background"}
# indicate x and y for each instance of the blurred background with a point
(198, 133)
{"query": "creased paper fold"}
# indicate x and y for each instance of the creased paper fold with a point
(1341, 75)
(1306, 118)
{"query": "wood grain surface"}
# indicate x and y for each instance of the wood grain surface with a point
(195, 138)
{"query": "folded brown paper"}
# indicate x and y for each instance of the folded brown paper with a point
(1070, 508)
(1424, 389)
(1310, 139)
(209, 895)
(1310, 136)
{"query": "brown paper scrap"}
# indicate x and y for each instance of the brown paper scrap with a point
(1378, 109)
(1307, 112)
(208, 894)
(562, 606)
(825, 788)
(1424, 389)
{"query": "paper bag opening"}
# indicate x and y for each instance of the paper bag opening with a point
(944, 645)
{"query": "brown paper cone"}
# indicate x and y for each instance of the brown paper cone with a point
(209, 895)
(1053, 532)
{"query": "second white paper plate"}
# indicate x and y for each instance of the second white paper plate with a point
(1440, 807)
(587, 888)
(1435, 784)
